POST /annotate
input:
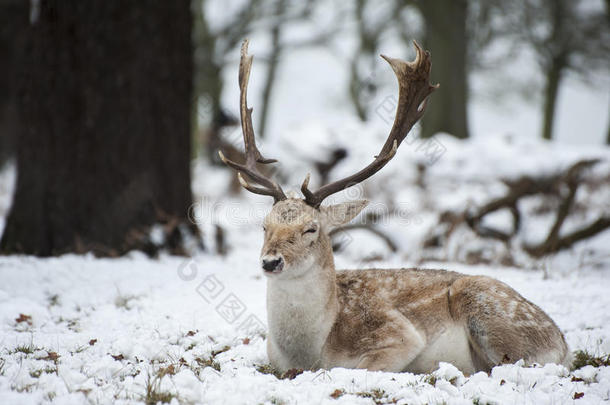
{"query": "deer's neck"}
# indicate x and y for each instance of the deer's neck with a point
(301, 313)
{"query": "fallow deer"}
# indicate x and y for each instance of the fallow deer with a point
(390, 319)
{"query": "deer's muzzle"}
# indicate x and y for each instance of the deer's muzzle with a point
(272, 264)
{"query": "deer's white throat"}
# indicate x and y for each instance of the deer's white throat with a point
(301, 312)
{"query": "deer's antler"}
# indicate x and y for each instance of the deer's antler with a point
(413, 90)
(253, 155)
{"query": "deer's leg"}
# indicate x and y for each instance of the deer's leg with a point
(396, 346)
(502, 326)
(391, 359)
(275, 358)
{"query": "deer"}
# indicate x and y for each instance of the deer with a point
(394, 320)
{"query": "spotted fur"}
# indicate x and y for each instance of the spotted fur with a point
(388, 319)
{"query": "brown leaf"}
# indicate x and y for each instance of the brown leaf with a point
(24, 318)
(292, 373)
(169, 370)
(51, 356)
(92, 342)
(118, 357)
(191, 333)
(246, 341)
(502, 382)
(578, 395)
(337, 393)
(576, 379)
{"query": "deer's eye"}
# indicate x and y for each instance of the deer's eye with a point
(264, 228)
(310, 230)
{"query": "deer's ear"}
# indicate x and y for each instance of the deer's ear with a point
(340, 214)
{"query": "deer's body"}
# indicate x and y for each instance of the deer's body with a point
(393, 319)
(390, 320)
(410, 320)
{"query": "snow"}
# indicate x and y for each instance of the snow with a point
(148, 316)
(77, 329)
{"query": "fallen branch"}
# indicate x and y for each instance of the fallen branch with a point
(563, 185)
(565, 242)
(367, 227)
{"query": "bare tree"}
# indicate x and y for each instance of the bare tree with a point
(285, 13)
(274, 59)
(567, 35)
(214, 47)
(363, 63)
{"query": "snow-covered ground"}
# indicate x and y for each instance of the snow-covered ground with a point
(102, 331)
(76, 329)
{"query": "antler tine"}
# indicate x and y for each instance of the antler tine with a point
(413, 90)
(253, 155)
(305, 188)
(254, 189)
(245, 66)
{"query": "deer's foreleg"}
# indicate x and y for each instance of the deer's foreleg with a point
(398, 344)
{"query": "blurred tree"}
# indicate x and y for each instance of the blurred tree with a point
(444, 33)
(216, 44)
(458, 34)
(212, 47)
(567, 35)
(372, 21)
(14, 21)
(446, 37)
(282, 14)
(104, 130)
(274, 60)
(608, 22)
(490, 22)
(363, 62)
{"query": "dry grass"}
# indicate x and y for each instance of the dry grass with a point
(583, 358)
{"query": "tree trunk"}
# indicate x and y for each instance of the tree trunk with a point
(14, 22)
(274, 59)
(445, 37)
(553, 78)
(104, 138)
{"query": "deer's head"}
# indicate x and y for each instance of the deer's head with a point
(297, 235)
(296, 230)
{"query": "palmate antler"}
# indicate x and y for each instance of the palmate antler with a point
(253, 155)
(413, 90)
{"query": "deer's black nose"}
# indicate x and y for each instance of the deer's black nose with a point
(273, 265)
